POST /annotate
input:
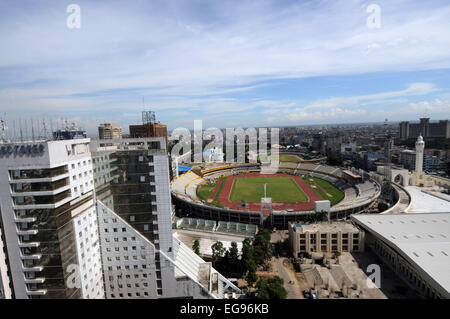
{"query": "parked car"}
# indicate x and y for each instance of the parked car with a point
(314, 296)
(306, 294)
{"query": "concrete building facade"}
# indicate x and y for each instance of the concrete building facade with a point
(48, 219)
(425, 128)
(415, 246)
(141, 258)
(325, 237)
(109, 131)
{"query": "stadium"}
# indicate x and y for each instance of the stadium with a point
(235, 192)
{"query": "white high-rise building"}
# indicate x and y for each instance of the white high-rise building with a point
(141, 258)
(49, 220)
(420, 146)
(93, 219)
(5, 289)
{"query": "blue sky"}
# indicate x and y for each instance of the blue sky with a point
(228, 63)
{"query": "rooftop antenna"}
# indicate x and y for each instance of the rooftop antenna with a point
(14, 129)
(32, 129)
(44, 129)
(21, 132)
(148, 117)
(3, 129)
(51, 125)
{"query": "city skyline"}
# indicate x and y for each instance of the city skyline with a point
(228, 64)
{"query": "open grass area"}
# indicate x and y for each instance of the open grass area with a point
(281, 189)
(327, 188)
(282, 158)
(289, 158)
(204, 191)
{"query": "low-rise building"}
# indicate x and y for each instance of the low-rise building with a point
(325, 237)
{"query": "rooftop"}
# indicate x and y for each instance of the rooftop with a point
(350, 173)
(423, 239)
(324, 227)
(423, 202)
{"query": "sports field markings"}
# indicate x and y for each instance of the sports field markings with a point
(282, 189)
(324, 188)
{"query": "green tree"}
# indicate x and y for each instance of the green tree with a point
(233, 254)
(271, 288)
(233, 251)
(251, 277)
(196, 247)
(217, 251)
(262, 250)
(247, 254)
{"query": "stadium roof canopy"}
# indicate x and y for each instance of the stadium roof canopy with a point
(184, 168)
(351, 174)
(424, 202)
(422, 239)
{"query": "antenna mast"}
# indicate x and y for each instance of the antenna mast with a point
(3, 129)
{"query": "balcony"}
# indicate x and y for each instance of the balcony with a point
(31, 257)
(33, 269)
(27, 232)
(39, 292)
(42, 202)
(42, 188)
(37, 173)
(42, 193)
(29, 245)
(35, 280)
(25, 219)
(40, 180)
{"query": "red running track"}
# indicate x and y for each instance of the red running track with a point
(298, 206)
(216, 189)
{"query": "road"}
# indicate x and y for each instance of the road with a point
(282, 265)
(283, 268)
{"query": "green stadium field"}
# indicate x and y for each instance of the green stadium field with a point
(333, 194)
(281, 158)
(281, 189)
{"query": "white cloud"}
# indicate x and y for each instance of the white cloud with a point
(437, 109)
(414, 89)
(191, 56)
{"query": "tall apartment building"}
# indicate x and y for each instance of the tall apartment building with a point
(49, 220)
(5, 289)
(141, 258)
(425, 128)
(82, 219)
(109, 131)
